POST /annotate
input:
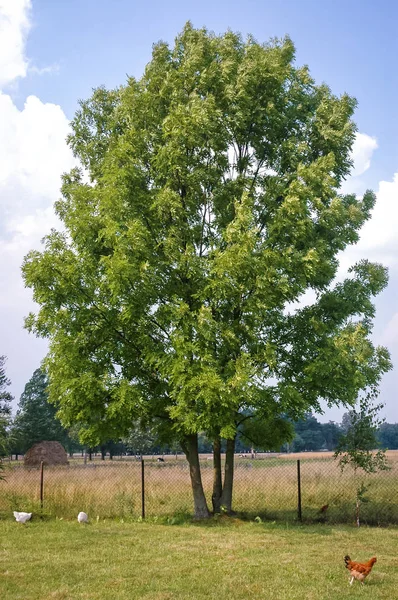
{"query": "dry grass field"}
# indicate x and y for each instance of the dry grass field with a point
(265, 487)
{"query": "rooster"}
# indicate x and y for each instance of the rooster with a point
(359, 570)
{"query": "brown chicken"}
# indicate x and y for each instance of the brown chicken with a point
(359, 570)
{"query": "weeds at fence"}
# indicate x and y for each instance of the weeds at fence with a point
(267, 488)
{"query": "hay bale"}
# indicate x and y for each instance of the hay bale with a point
(51, 453)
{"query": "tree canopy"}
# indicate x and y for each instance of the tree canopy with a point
(208, 205)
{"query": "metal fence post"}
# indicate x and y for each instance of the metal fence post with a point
(299, 514)
(142, 488)
(41, 483)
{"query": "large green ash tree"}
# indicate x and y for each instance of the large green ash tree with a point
(211, 206)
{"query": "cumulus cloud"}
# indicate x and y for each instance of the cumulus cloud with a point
(378, 238)
(362, 152)
(361, 155)
(33, 155)
(14, 28)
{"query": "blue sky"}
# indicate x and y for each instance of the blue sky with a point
(53, 52)
(351, 45)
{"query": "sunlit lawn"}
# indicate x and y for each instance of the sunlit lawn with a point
(107, 560)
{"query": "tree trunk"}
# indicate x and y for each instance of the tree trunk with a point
(103, 452)
(190, 447)
(217, 479)
(226, 497)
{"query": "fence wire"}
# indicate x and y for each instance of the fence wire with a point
(266, 487)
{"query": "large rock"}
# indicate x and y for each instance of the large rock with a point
(51, 453)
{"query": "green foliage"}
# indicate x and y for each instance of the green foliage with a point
(357, 446)
(36, 420)
(388, 436)
(311, 435)
(140, 441)
(5, 412)
(5, 396)
(266, 434)
(3, 445)
(212, 206)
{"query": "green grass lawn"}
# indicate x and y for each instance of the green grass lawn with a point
(231, 559)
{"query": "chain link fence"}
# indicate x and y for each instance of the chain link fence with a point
(310, 488)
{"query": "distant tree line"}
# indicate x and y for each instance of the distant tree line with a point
(36, 421)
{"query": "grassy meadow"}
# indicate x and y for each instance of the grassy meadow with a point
(265, 487)
(227, 558)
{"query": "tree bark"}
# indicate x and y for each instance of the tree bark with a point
(217, 478)
(226, 496)
(190, 447)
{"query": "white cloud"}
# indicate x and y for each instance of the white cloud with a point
(33, 155)
(362, 152)
(49, 70)
(14, 27)
(33, 152)
(361, 155)
(378, 237)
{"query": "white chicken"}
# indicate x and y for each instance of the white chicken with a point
(82, 517)
(22, 517)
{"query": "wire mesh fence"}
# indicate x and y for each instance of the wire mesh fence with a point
(310, 488)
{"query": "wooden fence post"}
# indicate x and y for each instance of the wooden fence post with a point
(41, 484)
(299, 514)
(142, 488)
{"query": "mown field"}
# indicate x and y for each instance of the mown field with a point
(264, 487)
(47, 560)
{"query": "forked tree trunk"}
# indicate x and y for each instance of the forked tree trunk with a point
(217, 478)
(190, 447)
(226, 497)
